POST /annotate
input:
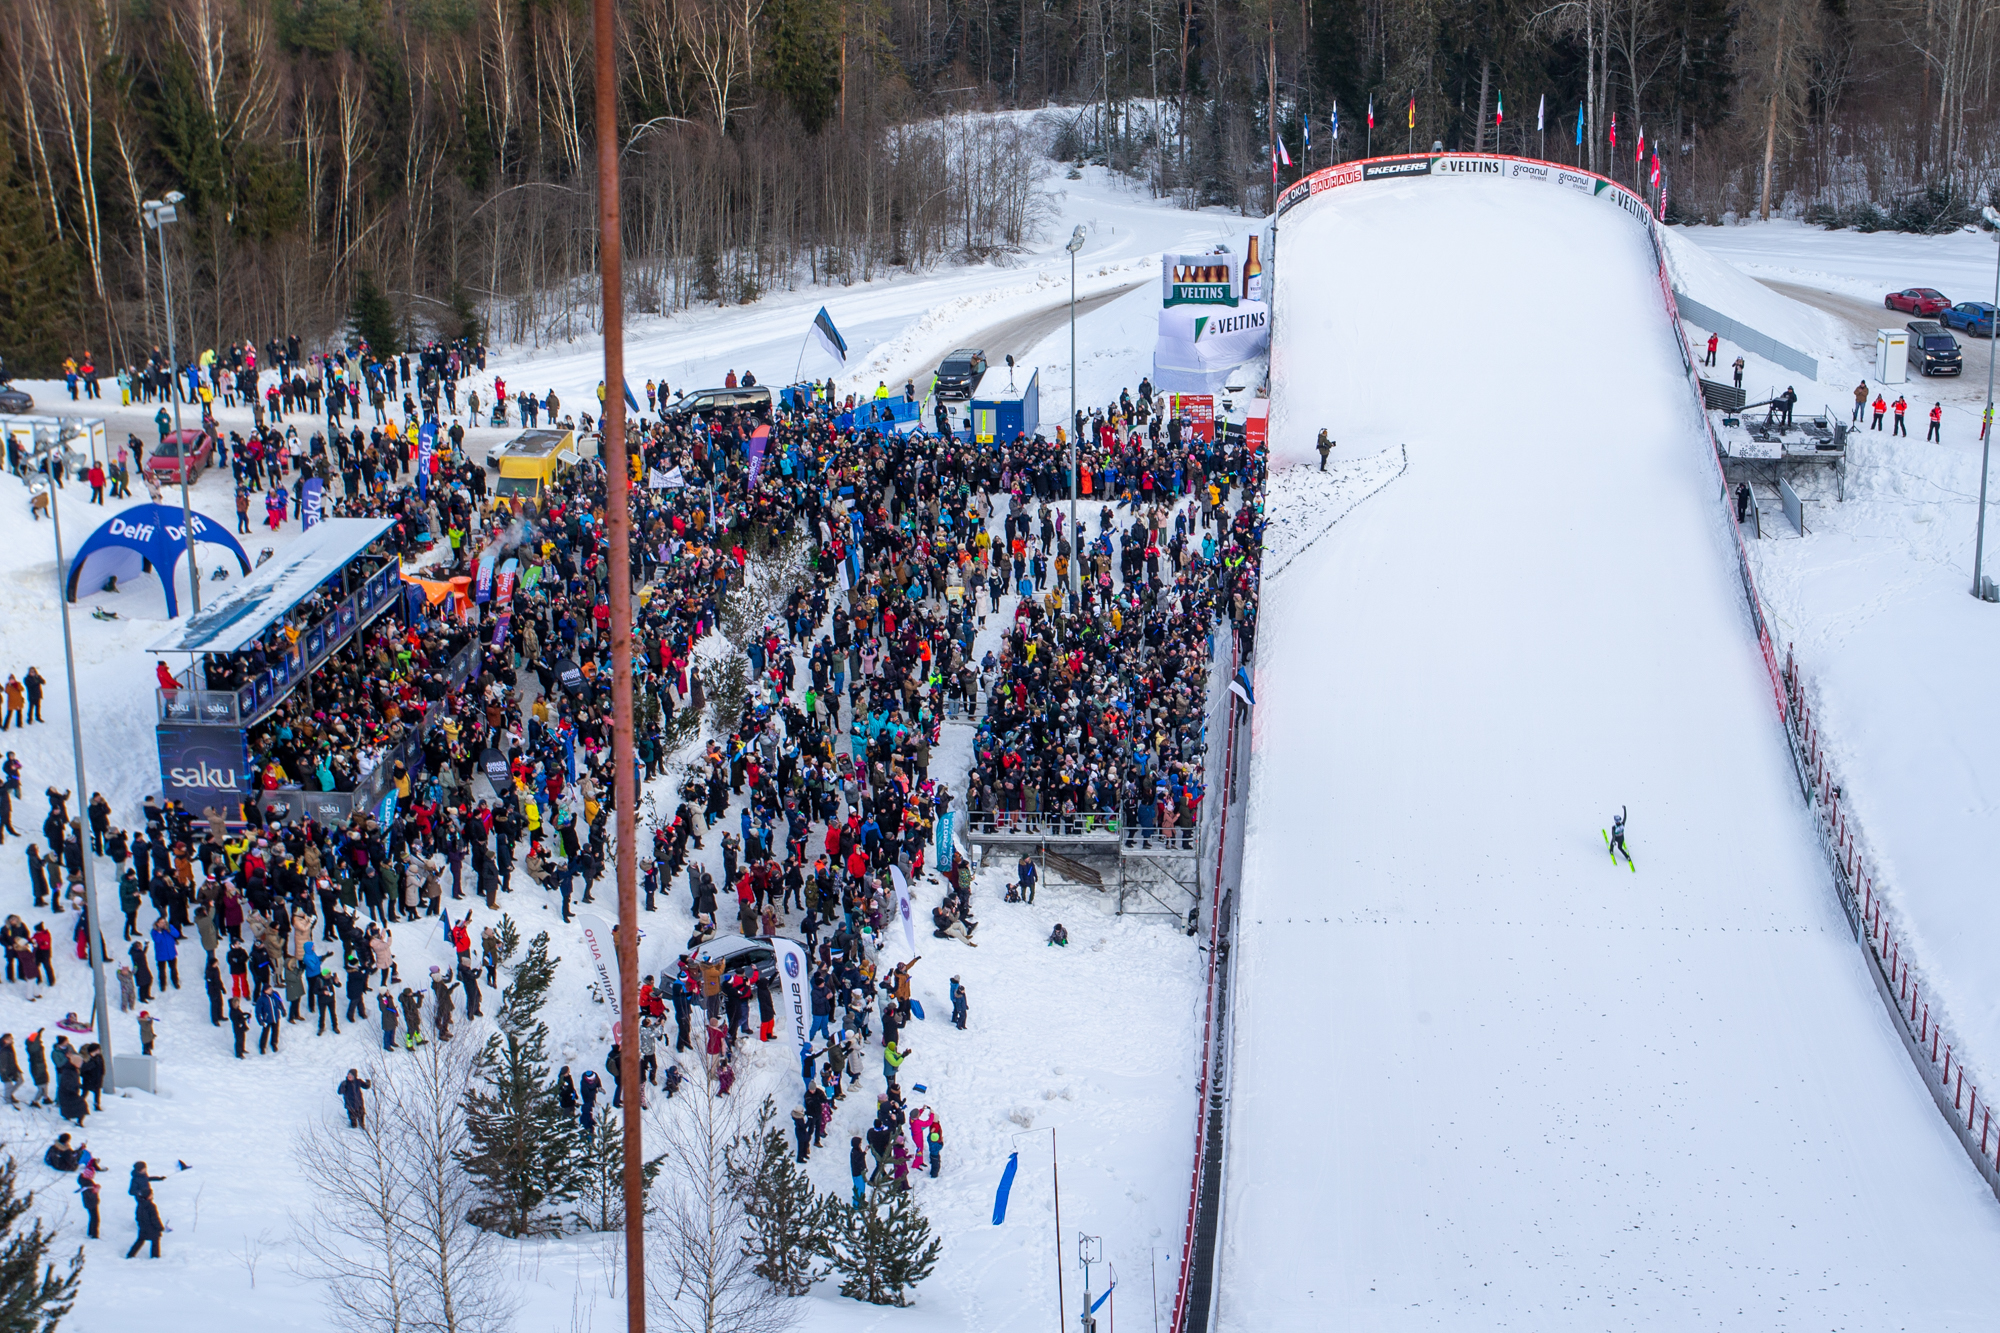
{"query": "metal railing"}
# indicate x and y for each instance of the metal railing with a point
(255, 697)
(1763, 344)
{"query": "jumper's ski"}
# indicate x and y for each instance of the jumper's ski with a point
(1630, 864)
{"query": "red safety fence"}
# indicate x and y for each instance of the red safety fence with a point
(1897, 979)
(1212, 915)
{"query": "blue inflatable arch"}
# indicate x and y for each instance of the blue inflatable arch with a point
(142, 538)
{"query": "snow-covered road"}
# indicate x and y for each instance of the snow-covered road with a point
(1483, 1078)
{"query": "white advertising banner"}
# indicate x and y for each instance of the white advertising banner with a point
(1197, 348)
(603, 954)
(903, 908)
(793, 974)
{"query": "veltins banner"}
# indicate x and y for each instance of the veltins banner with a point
(1200, 279)
(1197, 346)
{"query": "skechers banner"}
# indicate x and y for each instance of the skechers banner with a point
(1389, 168)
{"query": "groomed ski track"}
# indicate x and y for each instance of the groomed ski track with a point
(1481, 1078)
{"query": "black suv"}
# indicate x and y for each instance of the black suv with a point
(705, 403)
(1932, 350)
(958, 374)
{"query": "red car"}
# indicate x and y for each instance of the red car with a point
(166, 458)
(1922, 301)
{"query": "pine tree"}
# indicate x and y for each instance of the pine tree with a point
(884, 1249)
(32, 1298)
(372, 318)
(38, 278)
(526, 1153)
(510, 937)
(790, 1224)
(601, 1197)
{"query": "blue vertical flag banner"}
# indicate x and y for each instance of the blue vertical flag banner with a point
(1336, 121)
(312, 500)
(1579, 125)
(426, 442)
(1541, 110)
(944, 831)
(1006, 1186)
(482, 581)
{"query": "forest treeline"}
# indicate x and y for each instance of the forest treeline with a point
(443, 151)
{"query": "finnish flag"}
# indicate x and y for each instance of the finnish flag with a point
(829, 337)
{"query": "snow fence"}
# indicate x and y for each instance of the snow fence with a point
(1898, 977)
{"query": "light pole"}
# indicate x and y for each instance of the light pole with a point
(160, 212)
(93, 924)
(1992, 217)
(1075, 540)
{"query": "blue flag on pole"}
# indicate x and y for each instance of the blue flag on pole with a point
(1006, 1184)
(1336, 120)
(1579, 126)
(631, 401)
(1105, 1297)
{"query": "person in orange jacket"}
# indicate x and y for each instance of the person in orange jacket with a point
(1901, 405)
(1879, 406)
(1937, 423)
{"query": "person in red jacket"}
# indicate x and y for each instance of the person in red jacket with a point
(1878, 407)
(1937, 423)
(1901, 405)
(1713, 342)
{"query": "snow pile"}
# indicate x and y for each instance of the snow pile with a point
(1483, 1077)
(1727, 290)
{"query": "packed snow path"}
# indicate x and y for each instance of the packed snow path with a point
(1484, 1078)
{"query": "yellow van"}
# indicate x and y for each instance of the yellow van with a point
(529, 462)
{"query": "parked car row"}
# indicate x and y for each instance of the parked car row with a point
(1975, 317)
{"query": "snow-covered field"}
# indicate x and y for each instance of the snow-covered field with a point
(1875, 598)
(1484, 1078)
(1095, 1042)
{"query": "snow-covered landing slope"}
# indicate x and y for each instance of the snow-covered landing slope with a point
(1483, 1079)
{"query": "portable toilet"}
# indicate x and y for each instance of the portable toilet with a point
(1006, 405)
(1892, 355)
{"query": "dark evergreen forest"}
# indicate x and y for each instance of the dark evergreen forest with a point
(441, 152)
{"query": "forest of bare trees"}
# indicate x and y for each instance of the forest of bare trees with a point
(445, 148)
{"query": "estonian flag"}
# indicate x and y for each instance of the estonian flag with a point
(829, 337)
(1239, 685)
(631, 401)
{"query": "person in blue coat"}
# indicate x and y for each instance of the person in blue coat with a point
(166, 953)
(270, 1009)
(957, 1005)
